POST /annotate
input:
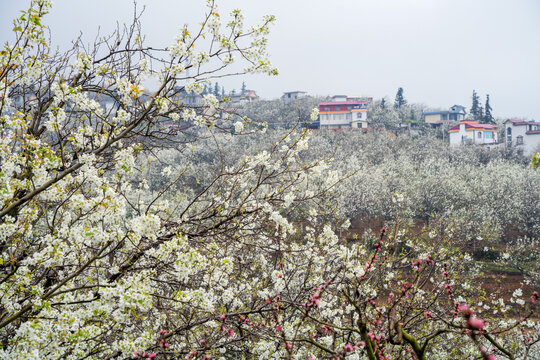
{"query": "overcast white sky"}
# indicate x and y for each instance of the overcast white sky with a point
(437, 50)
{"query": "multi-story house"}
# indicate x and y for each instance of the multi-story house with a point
(455, 113)
(523, 135)
(471, 132)
(344, 112)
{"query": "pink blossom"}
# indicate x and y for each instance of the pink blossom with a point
(279, 328)
(475, 323)
(465, 310)
(349, 348)
(326, 329)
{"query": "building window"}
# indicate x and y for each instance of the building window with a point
(326, 108)
(337, 108)
(519, 140)
(349, 107)
(488, 135)
(359, 115)
(479, 134)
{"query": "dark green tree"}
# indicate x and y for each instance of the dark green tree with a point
(400, 99)
(223, 91)
(413, 114)
(475, 105)
(243, 87)
(480, 117)
(216, 89)
(488, 116)
(383, 103)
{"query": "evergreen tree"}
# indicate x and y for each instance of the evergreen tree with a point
(243, 87)
(216, 89)
(480, 118)
(383, 103)
(488, 117)
(400, 99)
(475, 105)
(223, 91)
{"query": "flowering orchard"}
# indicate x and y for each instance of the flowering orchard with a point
(103, 258)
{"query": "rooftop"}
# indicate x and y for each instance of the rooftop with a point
(453, 110)
(471, 125)
(342, 103)
(521, 122)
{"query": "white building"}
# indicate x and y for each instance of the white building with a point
(293, 95)
(470, 132)
(523, 135)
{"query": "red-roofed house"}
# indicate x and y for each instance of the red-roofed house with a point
(471, 132)
(344, 112)
(523, 135)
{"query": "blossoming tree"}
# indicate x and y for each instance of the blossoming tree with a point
(235, 263)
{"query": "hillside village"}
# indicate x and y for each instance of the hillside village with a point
(346, 112)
